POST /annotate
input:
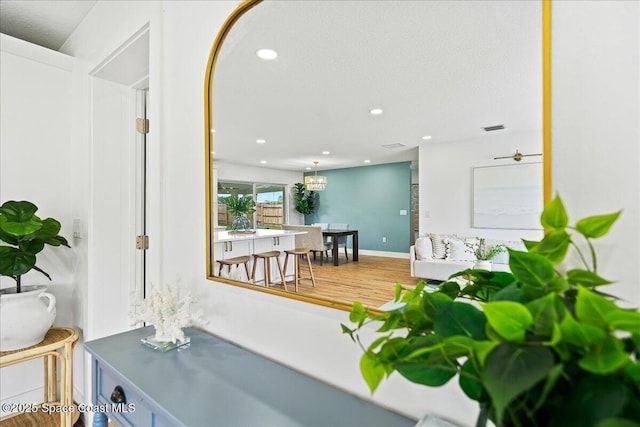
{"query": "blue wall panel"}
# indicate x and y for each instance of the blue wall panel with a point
(369, 199)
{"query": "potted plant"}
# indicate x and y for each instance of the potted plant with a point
(240, 207)
(306, 200)
(24, 318)
(541, 346)
(484, 255)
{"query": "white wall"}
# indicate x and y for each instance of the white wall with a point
(37, 164)
(446, 183)
(596, 127)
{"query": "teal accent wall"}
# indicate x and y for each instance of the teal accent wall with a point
(369, 199)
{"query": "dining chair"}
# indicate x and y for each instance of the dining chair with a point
(342, 240)
(324, 226)
(313, 239)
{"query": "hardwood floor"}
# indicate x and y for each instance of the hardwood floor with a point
(371, 280)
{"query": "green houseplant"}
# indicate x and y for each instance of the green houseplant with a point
(306, 200)
(537, 347)
(24, 235)
(240, 207)
(24, 316)
(481, 252)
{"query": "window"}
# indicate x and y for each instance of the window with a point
(269, 198)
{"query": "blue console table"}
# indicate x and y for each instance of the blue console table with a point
(215, 383)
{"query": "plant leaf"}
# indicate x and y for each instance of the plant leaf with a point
(20, 228)
(482, 349)
(14, 262)
(460, 318)
(511, 369)
(592, 308)
(623, 320)
(450, 289)
(18, 211)
(470, 381)
(554, 215)
(509, 319)
(372, 371)
(554, 246)
(545, 313)
(530, 268)
(35, 267)
(585, 278)
(509, 293)
(606, 357)
(593, 399)
(358, 313)
(579, 334)
(433, 375)
(617, 422)
(50, 228)
(433, 302)
(597, 225)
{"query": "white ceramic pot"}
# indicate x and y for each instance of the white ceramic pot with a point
(26, 317)
(482, 265)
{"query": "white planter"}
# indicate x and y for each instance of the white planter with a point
(482, 265)
(26, 317)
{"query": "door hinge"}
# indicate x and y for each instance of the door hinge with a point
(142, 242)
(142, 126)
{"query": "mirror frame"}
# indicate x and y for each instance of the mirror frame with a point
(247, 5)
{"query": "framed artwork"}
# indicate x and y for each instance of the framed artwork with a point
(508, 196)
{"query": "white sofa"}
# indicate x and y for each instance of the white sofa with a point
(438, 256)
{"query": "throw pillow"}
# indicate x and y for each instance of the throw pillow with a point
(439, 247)
(424, 248)
(459, 251)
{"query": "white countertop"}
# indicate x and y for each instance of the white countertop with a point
(228, 236)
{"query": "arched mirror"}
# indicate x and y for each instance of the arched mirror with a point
(440, 71)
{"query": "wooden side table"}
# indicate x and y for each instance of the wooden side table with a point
(57, 409)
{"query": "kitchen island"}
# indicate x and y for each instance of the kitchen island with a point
(228, 244)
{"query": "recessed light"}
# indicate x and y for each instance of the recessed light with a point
(267, 54)
(326, 153)
(375, 111)
(308, 168)
(263, 162)
(426, 137)
(261, 141)
(367, 161)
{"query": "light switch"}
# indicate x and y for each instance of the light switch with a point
(403, 212)
(77, 233)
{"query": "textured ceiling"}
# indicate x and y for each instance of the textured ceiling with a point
(45, 23)
(439, 68)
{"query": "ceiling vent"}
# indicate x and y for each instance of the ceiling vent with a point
(396, 145)
(492, 128)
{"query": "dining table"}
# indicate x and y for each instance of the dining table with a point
(334, 234)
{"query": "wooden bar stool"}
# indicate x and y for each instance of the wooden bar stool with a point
(298, 253)
(235, 261)
(266, 258)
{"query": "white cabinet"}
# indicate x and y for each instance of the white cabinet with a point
(231, 249)
(227, 245)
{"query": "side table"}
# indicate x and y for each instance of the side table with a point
(58, 408)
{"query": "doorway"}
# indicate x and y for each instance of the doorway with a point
(118, 270)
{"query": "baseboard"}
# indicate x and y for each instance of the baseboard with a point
(21, 399)
(382, 253)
